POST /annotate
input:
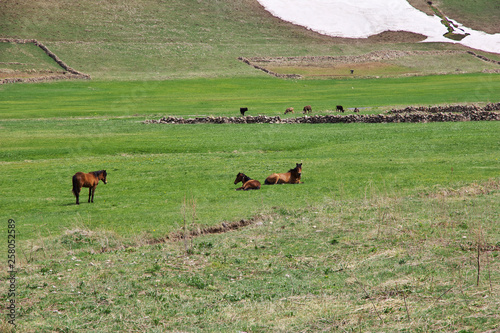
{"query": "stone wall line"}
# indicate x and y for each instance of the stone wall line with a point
(447, 108)
(415, 117)
(74, 74)
(265, 70)
(483, 58)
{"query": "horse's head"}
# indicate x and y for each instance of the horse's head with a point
(239, 177)
(102, 176)
(298, 169)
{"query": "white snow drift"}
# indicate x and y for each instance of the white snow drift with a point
(364, 18)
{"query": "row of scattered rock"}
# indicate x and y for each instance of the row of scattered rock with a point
(483, 57)
(265, 70)
(416, 117)
(218, 120)
(368, 57)
(381, 55)
(43, 78)
(447, 108)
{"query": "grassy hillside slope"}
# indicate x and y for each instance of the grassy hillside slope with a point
(478, 14)
(148, 38)
(151, 39)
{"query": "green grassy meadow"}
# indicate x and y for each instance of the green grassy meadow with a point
(51, 131)
(380, 236)
(224, 96)
(152, 168)
(394, 228)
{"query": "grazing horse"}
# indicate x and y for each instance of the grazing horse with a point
(307, 109)
(289, 110)
(90, 180)
(291, 177)
(248, 183)
(243, 110)
(340, 108)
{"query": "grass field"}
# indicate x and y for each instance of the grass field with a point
(384, 262)
(152, 168)
(394, 229)
(380, 236)
(224, 96)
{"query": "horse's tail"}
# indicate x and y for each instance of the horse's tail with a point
(76, 188)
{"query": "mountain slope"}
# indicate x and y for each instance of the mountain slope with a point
(158, 39)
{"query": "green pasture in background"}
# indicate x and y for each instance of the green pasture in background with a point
(50, 131)
(224, 96)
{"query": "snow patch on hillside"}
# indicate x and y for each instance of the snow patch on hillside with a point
(364, 18)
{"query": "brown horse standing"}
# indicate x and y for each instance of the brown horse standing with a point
(291, 177)
(90, 180)
(248, 183)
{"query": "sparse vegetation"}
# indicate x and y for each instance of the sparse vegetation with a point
(380, 263)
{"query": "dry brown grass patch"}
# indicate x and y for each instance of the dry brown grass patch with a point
(473, 189)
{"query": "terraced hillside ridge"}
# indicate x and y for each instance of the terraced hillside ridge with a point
(182, 39)
(66, 73)
(376, 63)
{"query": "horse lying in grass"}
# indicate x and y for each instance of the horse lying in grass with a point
(90, 180)
(248, 183)
(290, 177)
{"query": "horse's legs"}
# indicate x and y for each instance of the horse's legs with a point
(77, 195)
(93, 190)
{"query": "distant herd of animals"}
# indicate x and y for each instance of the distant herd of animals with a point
(91, 180)
(307, 109)
(290, 177)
